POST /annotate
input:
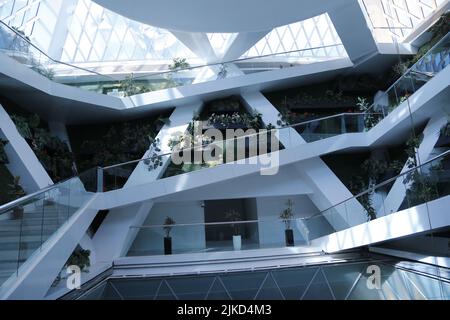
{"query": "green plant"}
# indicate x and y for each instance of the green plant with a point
(168, 225)
(412, 144)
(178, 64)
(43, 71)
(370, 119)
(53, 154)
(287, 214)
(120, 142)
(3, 156)
(226, 120)
(130, 87)
(80, 258)
(372, 172)
(155, 159)
(422, 185)
(401, 67)
(234, 216)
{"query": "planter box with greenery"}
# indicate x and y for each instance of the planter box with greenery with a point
(168, 225)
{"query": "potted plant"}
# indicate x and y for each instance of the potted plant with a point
(286, 216)
(80, 258)
(16, 193)
(234, 216)
(168, 225)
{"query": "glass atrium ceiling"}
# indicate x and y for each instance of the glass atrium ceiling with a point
(81, 31)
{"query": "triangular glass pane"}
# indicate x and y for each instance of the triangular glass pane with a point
(243, 286)
(318, 290)
(110, 293)
(398, 285)
(446, 289)
(137, 289)
(164, 292)
(293, 282)
(217, 291)
(269, 290)
(194, 288)
(428, 287)
(362, 292)
(95, 294)
(342, 277)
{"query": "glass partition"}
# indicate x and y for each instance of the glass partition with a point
(420, 185)
(27, 223)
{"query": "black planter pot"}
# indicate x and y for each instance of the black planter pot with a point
(289, 235)
(167, 245)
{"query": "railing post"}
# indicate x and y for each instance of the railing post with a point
(99, 179)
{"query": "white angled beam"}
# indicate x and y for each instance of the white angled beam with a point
(198, 43)
(242, 43)
(351, 25)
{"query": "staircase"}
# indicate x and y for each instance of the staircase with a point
(21, 237)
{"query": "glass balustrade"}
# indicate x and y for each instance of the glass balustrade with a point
(27, 223)
(423, 184)
(208, 151)
(216, 236)
(20, 48)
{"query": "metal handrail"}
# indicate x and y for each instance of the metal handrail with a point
(442, 155)
(294, 219)
(169, 71)
(8, 206)
(410, 70)
(50, 58)
(242, 137)
(239, 60)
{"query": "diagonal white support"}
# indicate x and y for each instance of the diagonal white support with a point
(328, 190)
(397, 193)
(198, 43)
(355, 34)
(242, 43)
(115, 235)
(22, 160)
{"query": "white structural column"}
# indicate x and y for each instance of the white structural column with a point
(198, 43)
(351, 25)
(23, 162)
(242, 43)
(179, 121)
(115, 235)
(397, 193)
(328, 190)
